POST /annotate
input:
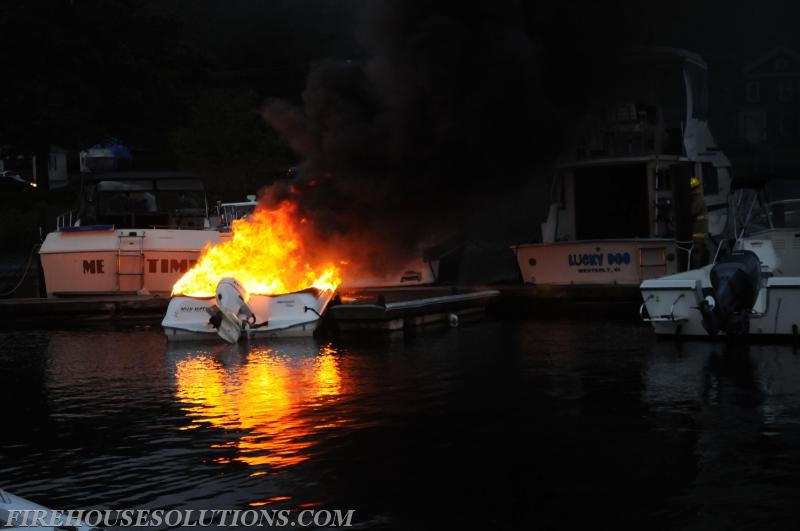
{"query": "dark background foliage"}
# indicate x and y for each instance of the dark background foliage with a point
(435, 97)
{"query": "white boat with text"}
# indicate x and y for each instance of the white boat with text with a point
(620, 209)
(753, 289)
(232, 314)
(135, 232)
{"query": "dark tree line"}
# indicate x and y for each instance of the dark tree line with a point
(181, 81)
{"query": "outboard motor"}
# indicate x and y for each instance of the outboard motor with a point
(736, 281)
(230, 312)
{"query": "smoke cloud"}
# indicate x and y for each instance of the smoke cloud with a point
(425, 137)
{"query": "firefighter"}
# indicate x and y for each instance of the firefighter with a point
(700, 239)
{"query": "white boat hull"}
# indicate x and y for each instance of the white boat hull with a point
(108, 261)
(671, 305)
(598, 262)
(287, 315)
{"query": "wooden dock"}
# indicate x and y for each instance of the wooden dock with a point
(390, 310)
(73, 311)
(376, 309)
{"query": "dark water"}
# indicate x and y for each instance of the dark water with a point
(496, 425)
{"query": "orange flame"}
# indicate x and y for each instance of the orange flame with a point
(267, 255)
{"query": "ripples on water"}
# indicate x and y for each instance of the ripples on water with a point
(546, 424)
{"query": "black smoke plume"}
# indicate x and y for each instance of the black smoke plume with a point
(427, 136)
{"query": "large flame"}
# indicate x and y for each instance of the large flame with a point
(267, 255)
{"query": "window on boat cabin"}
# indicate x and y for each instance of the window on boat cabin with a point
(698, 84)
(124, 196)
(174, 200)
(182, 195)
(667, 91)
(785, 214)
(710, 179)
(611, 202)
(782, 205)
(233, 212)
(663, 180)
(142, 202)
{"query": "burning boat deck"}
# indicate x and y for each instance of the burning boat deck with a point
(232, 315)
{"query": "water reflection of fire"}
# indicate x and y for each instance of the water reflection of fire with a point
(271, 252)
(269, 396)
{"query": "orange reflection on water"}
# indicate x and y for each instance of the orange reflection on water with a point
(271, 396)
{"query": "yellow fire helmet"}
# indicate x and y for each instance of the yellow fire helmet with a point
(694, 182)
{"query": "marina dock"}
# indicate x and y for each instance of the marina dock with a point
(396, 309)
(57, 312)
(359, 310)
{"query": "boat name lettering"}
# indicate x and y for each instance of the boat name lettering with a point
(597, 259)
(193, 308)
(169, 265)
(93, 267)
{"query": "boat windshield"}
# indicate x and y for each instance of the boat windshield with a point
(234, 211)
(775, 206)
(147, 202)
(785, 214)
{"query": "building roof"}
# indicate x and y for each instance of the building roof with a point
(779, 51)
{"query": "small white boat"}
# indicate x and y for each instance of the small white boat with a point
(753, 289)
(232, 316)
(18, 513)
(418, 272)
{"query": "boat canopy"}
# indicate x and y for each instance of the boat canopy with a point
(145, 199)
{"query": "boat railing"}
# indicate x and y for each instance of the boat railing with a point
(66, 219)
(686, 246)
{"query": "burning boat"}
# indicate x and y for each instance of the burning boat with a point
(266, 281)
(233, 315)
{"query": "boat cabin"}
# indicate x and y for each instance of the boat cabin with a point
(621, 200)
(167, 200)
(645, 138)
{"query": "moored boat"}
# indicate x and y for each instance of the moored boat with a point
(621, 207)
(135, 232)
(232, 314)
(751, 289)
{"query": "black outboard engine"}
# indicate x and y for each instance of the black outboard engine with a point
(736, 280)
